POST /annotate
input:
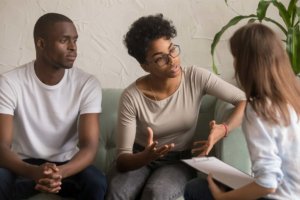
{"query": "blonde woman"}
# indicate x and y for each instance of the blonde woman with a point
(271, 123)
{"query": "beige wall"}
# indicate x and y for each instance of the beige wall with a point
(101, 25)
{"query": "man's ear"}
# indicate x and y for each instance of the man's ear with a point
(40, 43)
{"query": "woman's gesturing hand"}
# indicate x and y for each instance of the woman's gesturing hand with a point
(217, 132)
(152, 151)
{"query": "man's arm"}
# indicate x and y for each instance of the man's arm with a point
(9, 159)
(88, 144)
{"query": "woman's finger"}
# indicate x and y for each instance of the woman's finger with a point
(150, 136)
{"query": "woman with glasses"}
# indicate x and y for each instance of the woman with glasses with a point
(158, 115)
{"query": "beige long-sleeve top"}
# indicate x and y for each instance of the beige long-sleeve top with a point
(173, 120)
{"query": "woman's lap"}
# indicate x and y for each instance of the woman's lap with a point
(164, 182)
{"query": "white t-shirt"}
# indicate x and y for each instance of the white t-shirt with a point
(46, 117)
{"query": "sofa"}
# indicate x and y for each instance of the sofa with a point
(232, 149)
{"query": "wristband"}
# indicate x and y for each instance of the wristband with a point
(226, 129)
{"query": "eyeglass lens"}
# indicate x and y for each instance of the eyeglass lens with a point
(165, 59)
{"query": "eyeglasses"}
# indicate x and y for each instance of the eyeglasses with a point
(164, 59)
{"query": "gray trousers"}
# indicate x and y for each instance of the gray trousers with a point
(163, 179)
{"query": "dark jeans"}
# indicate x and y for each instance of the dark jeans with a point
(197, 189)
(90, 184)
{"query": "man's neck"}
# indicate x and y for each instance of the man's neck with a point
(47, 74)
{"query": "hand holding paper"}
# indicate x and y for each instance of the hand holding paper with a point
(220, 171)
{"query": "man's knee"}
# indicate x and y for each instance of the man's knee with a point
(94, 181)
(99, 184)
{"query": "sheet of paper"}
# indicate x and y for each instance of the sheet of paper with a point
(220, 171)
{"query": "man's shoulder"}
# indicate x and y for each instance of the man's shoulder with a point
(18, 73)
(83, 81)
(20, 68)
(80, 76)
(75, 71)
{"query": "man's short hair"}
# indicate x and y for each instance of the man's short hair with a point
(46, 21)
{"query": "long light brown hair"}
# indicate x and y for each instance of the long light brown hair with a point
(263, 70)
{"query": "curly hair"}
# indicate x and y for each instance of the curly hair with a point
(143, 31)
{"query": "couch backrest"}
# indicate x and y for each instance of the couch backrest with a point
(108, 120)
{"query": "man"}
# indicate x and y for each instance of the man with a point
(49, 120)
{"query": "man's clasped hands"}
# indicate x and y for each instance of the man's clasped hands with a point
(48, 178)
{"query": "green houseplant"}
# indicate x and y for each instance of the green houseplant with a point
(291, 18)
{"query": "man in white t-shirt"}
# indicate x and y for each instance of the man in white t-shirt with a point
(49, 120)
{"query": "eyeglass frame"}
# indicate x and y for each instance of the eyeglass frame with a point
(166, 57)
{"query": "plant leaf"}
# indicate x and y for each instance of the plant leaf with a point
(262, 9)
(293, 48)
(292, 5)
(277, 24)
(285, 15)
(218, 35)
(252, 20)
(297, 55)
(283, 12)
(298, 13)
(292, 10)
(232, 22)
(214, 67)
